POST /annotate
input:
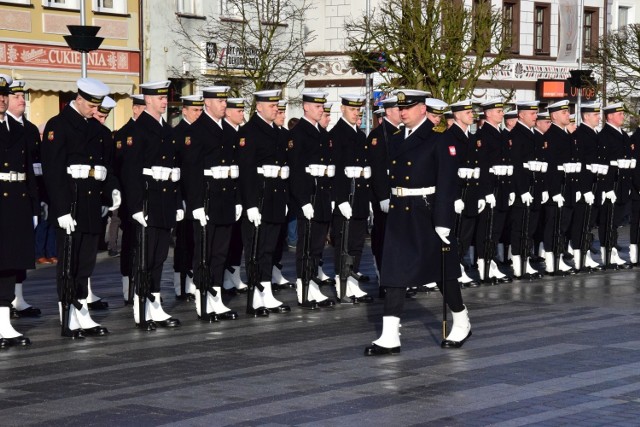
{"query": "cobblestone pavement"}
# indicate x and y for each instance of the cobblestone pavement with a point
(558, 351)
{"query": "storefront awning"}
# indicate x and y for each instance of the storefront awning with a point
(61, 84)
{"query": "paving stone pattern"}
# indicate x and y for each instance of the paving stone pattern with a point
(558, 351)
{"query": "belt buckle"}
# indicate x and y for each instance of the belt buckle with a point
(13, 176)
(399, 192)
(92, 172)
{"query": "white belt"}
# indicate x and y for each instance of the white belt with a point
(85, 171)
(536, 166)
(469, 173)
(624, 163)
(501, 170)
(161, 173)
(273, 171)
(321, 170)
(13, 176)
(222, 172)
(403, 192)
(358, 172)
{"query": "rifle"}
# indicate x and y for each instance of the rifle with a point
(309, 264)
(141, 275)
(586, 239)
(346, 261)
(253, 268)
(489, 244)
(68, 288)
(524, 235)
(203, 274)
(609, 236)
(558, 237)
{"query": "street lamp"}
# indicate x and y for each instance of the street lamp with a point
(83, 38)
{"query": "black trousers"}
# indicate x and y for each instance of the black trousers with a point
(157, 251)
(577, 222)
(316, 243)
(550, 214)
(126, 247)
(277, 251)
(234, 256)
(83, 260)
(467, 232)
(499, 218)
(634, 222)
(183, 252)
(604, 223)
(217, 246)
(517, 218)
(377, 236)
(7, 286)
(267, 242)
(357, 232)
(395, 297)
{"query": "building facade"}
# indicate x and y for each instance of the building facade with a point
(32, 48)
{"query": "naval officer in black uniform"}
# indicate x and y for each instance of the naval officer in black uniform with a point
(150, 170)
(18, 209)
(423, 189)
(262, 158)
(76, 165)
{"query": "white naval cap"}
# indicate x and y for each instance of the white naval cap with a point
(267, 95)
(107, 105)
(557, 106)
(435, 105)
(156, 88)
(216, 92)
(138, 99)
(543, 115)
(613, 108)
(236, 103)
(282, 105)
(192, 100)
(352, 100)
(464, 105)
(411, 97)
(492, 103)
(327, 107)
(389, 102)
(17, 86)
(5, 82)
(92, 90)
(316, 97)
(590, 107)
(379, 112)
(528, 105)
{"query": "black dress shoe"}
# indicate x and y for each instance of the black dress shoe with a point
(411, 293)
(96, 331)
(258, 312)
(365, 299)
(4, 343)
(382, 292)
(16, 341)
(149, 325)
(454, 344)
(471, 284)
(74, 334)
(592, 269)
(309, 305)
(326, 303)
(277, 287)
(169, 323)
(529, 276)
(562, 273)
(280, 309)
(28, 312)
(183, 297)
(232, 291)
(376, 350)
(229, 315)
(209, 317)
(330, 282)
(348, 300)
(626, 266)
(363, 278)
(98, 305)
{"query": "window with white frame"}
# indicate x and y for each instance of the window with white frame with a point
(63, 4)
(110, 6)
(623, 16)
(229, 8)
(190, 7)
(18, 1)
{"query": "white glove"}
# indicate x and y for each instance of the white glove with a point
(142, 220)
(481, 205)
(609, 195)
(37, 169)
(307, 211)
(589, 198)
(104, 210)
(200, 216)
(443, 233)
(384, 205)
(345, 209)
(491, 200)
(558, 199)
(253, 215)
(545, 197)
(35, 222)
(333, 206)
(238, 211)
(45, 210)
(117, 200)
(179, 215)
(458, 206)
(578, 195)
(512, 198)
(526, 198)
(68, 223)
